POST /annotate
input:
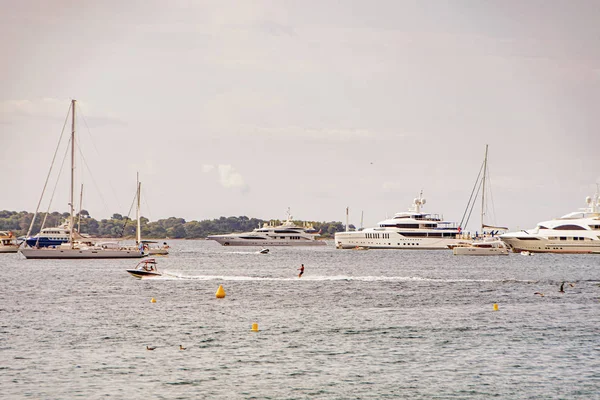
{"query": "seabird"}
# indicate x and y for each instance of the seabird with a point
(541, 294)
(562, 288)
(181, 347)
(150, 348)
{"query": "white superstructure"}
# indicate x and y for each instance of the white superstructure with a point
(410, 230)
(286, 234)
(576, 232)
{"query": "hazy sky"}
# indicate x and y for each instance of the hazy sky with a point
(248, 108)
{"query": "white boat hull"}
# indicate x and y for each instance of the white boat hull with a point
(9, 249)
(477, 251)
(233, 241)
(158, 252)
(350, 240)
(50, 253)
(543, 245)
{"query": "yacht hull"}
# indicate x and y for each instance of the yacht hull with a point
(50, 253)
(233, 241)
(350, 240)
(474, 251)
(542, 245)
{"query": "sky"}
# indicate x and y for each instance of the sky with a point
(247, 108)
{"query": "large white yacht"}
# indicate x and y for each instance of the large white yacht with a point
(409, 230)
(286, 234)
(576, 232)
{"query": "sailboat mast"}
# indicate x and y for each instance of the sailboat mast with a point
(80, 208)
(137, 212)
(71, 225)
(483, 187)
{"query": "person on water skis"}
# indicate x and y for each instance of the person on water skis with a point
(301, 269)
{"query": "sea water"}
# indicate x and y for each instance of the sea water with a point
(357, 325)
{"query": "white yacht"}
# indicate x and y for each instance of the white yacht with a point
(286, 234)
(409, 230)
(576, 232)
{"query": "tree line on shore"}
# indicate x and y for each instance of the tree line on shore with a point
(119, 226)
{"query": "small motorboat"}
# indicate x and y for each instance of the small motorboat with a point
(526, 253)
(264, 251)
(145, 269)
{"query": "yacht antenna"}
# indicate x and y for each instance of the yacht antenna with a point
(347, 228)
(361, 219)
(71, 225)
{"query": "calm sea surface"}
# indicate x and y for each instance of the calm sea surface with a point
(359, 324)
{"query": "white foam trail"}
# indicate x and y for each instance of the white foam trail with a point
(179, 275)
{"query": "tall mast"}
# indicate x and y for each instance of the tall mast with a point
(80, 208)
(137, 212)
(72, 226)
(483, 187)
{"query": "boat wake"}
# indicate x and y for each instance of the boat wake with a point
(180, 276)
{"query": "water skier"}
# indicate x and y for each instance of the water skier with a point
(301, 269)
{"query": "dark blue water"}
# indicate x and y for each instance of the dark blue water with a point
(359, 324)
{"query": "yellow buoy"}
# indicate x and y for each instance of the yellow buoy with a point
(153, 300)
(220, 292)
(495, 307)
(255, 327)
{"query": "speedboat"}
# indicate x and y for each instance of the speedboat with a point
(410, 230)
(286, 234)
(264, 251)
(575, 233)
(145, 269)
(8, 242)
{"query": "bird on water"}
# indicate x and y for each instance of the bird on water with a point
(150, 348)
(181, 347)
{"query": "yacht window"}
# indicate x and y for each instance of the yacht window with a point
(595, 227)
(570, 228)
(563, 238)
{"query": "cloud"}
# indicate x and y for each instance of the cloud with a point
(229, 178)
(325, 134)
(392, 187)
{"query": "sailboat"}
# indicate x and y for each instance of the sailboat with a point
(77, 246)
(488, 244)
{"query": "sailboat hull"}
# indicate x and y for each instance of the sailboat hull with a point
(50, 253)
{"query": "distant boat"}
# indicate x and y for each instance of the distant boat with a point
(145, 269)
(8, 242)
(77, 246)
(264, 251)
(156, 249)
(526, 253)
(286, 234)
